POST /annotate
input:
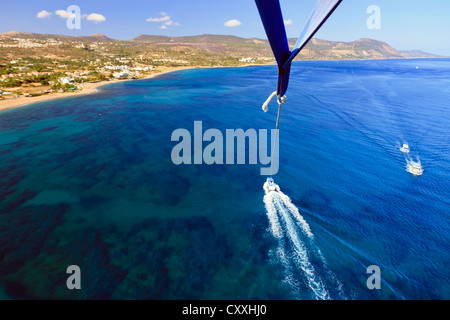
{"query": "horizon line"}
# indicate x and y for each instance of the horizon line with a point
(212, 34)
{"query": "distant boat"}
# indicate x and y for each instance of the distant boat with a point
(405, 148)
(414, 168)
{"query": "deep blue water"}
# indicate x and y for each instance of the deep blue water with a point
(89, 181)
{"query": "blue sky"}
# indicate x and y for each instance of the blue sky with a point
(405, 24)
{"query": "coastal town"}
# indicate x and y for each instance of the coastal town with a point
(33, 66)
(36, 67)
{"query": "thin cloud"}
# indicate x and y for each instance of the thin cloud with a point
(171, 23)
(232, 23)
(43, 14)
(288, 22)
(165, 19)
(96, 17)
(64, 14)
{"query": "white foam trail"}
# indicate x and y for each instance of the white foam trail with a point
(293, 209)
(301, 222)
(275, 227)
(280, 253)
(336, 283)
(301, 258)
(289, 275)
(280, 208)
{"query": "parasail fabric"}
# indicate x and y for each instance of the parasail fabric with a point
(272, 19)
(322, 12)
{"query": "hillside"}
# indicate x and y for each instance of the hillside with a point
(42, 36)
(201, 50)
(359, 49)
(39, 64)
(315, 50)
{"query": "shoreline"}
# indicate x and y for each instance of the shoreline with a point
(89, 88)
(86, 88)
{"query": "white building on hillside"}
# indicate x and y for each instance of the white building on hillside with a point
(120, 75)
(117, 67)
(65, 80)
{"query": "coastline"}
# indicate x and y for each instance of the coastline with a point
(86, 88)
(89, 88)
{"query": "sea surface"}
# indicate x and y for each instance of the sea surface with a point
(89, 181)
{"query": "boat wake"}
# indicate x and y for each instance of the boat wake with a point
(414, 167)
(296, 249)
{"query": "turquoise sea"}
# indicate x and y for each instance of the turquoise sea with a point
(89, 181)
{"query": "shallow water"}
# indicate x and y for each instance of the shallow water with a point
(89, 181)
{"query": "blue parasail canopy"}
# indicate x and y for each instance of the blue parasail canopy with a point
(272, 19)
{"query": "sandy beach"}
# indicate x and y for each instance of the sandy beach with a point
(85, 88)
(89, 88)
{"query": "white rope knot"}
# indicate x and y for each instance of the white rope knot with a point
(282, 99)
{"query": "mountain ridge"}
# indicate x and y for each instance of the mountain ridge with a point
(238, 47)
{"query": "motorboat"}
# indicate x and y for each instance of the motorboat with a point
(405, 148)
(270, 186)
(414, 168)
